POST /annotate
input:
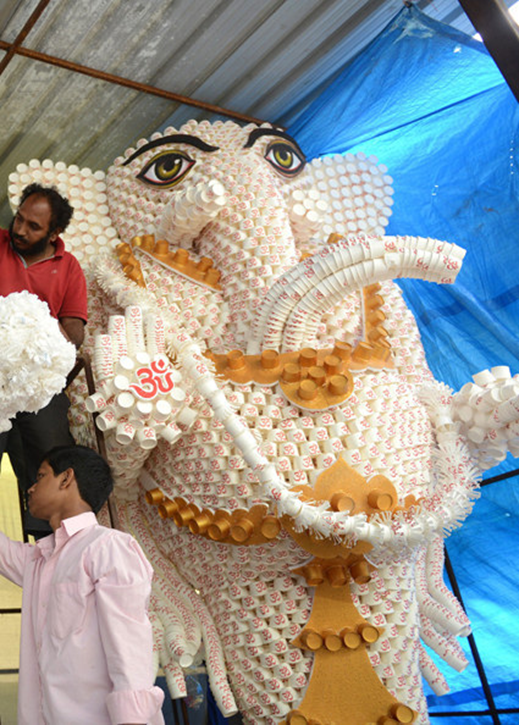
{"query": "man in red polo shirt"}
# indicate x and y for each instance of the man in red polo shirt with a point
(33, 258)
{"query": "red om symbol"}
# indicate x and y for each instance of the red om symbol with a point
(153, 380)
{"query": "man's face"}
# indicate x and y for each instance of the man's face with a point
(43, 495)
(30, 228)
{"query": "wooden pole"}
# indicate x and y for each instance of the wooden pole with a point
(499, 33)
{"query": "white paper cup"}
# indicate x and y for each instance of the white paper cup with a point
(147, 438)
(106, 420)
(95, 403)
(124, 402)
(125, 433)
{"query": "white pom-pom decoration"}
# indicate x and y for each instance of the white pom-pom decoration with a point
(35, 357)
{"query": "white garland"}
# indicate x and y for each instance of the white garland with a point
(456, 484)
(35, 357)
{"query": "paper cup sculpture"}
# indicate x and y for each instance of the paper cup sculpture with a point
(281, 449)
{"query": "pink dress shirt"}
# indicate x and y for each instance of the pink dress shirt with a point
(86, 644)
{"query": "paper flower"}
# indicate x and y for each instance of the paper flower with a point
(35, 357)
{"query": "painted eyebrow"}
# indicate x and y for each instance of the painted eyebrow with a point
(255, 135)
(174, 138)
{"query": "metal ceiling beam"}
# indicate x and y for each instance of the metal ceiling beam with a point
(126, 82)
(24, 32)
(500, 35)
(16, 48)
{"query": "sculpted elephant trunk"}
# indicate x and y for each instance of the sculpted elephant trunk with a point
(295, 305)
(189, 211)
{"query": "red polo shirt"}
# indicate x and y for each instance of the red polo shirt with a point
(59, 280)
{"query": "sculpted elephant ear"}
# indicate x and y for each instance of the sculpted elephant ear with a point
(90, 230)
(357, 190)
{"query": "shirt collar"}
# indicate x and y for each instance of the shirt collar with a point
(75, 523)
(68, 527)
(59, 246)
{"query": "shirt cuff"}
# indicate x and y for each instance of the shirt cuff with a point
(137, 706)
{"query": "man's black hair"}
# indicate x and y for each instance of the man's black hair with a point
(60, 208)
(92, 472)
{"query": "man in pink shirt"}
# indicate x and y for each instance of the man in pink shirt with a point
(86, 642)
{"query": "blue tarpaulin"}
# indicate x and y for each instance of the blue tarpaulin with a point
(430, 103)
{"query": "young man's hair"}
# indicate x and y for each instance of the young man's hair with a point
(60, 208)
(93, 476)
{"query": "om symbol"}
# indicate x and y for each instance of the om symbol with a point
(153, 380)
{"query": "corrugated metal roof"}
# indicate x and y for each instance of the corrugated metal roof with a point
(262, 58)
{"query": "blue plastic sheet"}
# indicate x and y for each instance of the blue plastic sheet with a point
(430, 103)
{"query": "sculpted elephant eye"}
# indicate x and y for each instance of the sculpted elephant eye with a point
(284, 157)
(166, 169)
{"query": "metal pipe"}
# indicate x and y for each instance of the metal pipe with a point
(126, 82)
(499, 33)
(473, 647)
(500, 477)
(24, 32)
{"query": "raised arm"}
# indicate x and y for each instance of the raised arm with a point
(13, 558)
